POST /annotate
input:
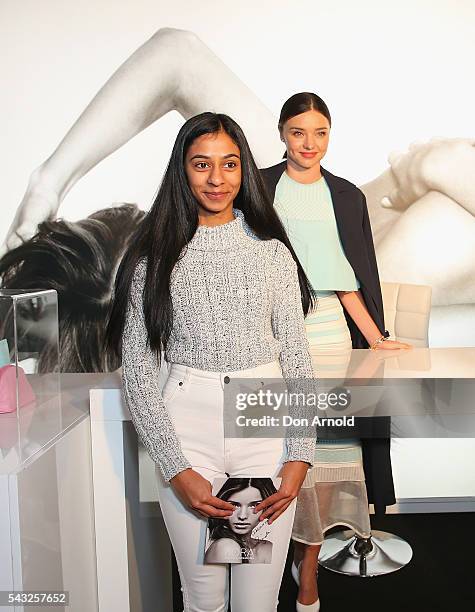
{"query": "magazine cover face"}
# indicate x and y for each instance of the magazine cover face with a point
(241, 538)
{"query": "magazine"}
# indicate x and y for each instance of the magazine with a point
(241, 538)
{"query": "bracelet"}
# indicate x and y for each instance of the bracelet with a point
(380, 340)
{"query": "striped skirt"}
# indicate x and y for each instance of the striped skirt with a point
(334, 490)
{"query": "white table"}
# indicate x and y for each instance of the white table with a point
(107, 520)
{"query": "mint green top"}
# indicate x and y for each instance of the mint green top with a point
(306, 210)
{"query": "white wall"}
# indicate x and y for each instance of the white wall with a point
(390, 72)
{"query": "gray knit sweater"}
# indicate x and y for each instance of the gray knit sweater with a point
(236, 305)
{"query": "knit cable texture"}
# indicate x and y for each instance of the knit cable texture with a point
(236, 305)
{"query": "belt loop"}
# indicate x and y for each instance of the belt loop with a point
(186, 377)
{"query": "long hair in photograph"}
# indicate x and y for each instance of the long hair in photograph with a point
(79, 260)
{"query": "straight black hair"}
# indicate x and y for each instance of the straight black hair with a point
(171, 223)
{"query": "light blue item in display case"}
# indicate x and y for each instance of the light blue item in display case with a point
(4, 353)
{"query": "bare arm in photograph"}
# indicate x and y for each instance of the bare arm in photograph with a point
(428, 191)
(445, 165)
(173, 70)
(422, 214)
(432, 243)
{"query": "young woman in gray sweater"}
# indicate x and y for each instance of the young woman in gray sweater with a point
(212, 283)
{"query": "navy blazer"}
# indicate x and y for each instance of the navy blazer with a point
(351, 213)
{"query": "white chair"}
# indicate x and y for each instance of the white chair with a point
(407, 312)
(406, 315)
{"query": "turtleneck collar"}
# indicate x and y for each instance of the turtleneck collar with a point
(223, 237)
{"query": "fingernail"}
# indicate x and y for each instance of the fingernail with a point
(386, 202)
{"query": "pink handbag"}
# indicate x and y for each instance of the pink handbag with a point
(8, 389)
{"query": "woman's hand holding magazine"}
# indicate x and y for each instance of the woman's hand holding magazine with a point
(195, 492)
(293, 474)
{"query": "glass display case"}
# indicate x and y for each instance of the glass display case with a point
(29, 371)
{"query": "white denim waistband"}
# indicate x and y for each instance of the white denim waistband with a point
(185, 373)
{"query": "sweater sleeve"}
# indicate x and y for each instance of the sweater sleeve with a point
(289, 328)
(141, 389)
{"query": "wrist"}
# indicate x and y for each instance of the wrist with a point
(42, 182)
(378, 340)
(183, 473)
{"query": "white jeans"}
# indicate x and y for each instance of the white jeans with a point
(196, 409)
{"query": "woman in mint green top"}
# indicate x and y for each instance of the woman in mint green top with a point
(308, 216)
(334, 491)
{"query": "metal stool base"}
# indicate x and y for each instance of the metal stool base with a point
(381, 553)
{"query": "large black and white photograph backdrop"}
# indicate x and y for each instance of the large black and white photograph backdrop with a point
(95, 92)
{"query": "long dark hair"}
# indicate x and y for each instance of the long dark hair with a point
(78, 259)
(301, 103)
(218, 527)
(170, 225)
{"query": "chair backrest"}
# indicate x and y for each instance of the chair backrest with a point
(407, 312)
